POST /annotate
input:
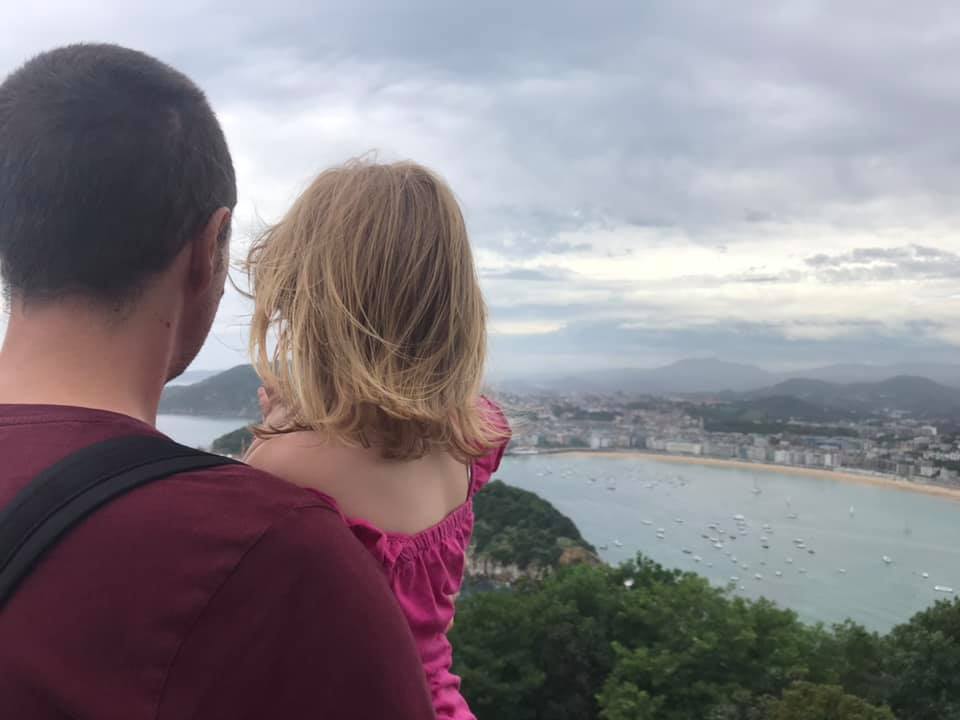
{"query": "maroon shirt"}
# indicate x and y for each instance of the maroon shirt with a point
(222, 593)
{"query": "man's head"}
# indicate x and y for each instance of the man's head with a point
(113, 172)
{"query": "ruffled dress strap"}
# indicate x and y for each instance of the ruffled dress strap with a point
(484, 467)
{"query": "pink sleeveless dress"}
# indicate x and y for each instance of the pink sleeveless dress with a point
(425, 571)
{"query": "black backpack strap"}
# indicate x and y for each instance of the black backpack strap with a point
(64, 494)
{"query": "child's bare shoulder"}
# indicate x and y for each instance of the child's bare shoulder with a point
(298, 457)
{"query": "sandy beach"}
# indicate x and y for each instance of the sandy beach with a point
(841, 475)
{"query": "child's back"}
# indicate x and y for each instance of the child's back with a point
(369, 286)
(414, 517)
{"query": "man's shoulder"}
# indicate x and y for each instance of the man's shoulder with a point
(169, 532)
(231, 502)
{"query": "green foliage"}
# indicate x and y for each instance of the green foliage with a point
(923, 663)
(805, 701)
(777, 415)
(234, 443)
(641, 641)
(517, 527)
(574, 412)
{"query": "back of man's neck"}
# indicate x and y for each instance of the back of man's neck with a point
(70, 356)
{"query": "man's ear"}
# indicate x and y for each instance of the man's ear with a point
(207, 250)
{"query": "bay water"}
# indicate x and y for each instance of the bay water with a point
(878, 552)
(196, 431)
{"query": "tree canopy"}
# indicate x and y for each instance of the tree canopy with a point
(641, 641)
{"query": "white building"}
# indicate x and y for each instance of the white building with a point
(684, 448)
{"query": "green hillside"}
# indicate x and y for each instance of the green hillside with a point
(233, 443)
(232, 393)
(517, 527)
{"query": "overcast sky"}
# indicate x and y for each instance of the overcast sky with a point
(772, 182)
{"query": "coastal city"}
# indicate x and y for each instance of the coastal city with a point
(893, 444)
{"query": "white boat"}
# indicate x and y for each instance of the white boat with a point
(852, 511)
(792, 516)
(764, 538)
(678, 521)
(943, 588)
(779, 574)
(803, 571)
(925, 575)
(734, 578)
(646, 522)
(739, 518)
(887, 559)
(660, 531)
(618, 543)
(718, 545)
(842, 571)
(790, 561)
(697, 558)
(758, 576)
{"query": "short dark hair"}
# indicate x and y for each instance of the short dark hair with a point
(110, 163)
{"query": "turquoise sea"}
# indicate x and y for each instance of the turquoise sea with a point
(878, 552)
(197, 431)
(621, 502)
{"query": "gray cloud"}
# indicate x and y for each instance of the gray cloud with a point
(527, 275)
(588, 132)
(897, 263)
(677, 113)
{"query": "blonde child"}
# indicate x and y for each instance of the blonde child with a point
(370, 330)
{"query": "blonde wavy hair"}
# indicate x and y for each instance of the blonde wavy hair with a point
(367, 287)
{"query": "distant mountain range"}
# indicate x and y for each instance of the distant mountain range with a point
(714, 376)
(921, 397)
(233, 393)
(193, 376)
